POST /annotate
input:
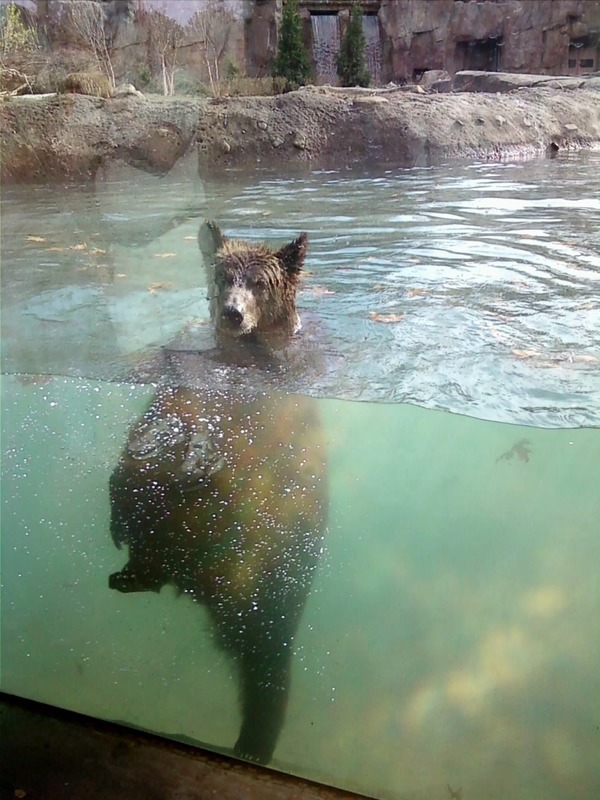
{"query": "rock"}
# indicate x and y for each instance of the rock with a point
(225, 146)
(370, 100)
(127, 90)
(299, 141)
(565, 83)
(570, 126)
(433, 76)
(261, 125)
(476, 81)
(411, 88)
(518, 35)
(276, 141)
(442, 86)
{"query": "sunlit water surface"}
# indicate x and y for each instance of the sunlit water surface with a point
(450, 640)
(473, 289)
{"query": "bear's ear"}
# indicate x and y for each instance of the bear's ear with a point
(210, 239)
(292, 255)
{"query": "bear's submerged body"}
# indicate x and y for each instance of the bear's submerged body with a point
(224, 495)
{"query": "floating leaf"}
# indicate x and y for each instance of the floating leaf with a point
(97, 251)
(190, 238)
(154, 287)
(164, 255)
(501, 336)
(36, 238)
(385, 318)
(416, 292)
(82, 246)
(55, 249)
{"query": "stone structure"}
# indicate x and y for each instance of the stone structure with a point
(538, 36)
(559, 37)
(406, 37)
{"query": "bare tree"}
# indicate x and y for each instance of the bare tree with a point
(213, 26)
(87, 20)
(164, 38)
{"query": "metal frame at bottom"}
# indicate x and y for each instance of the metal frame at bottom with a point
(50, 754)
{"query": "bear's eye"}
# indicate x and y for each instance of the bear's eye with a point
(260, 283)
(220, 278)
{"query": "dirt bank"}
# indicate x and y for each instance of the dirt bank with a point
(68, 137)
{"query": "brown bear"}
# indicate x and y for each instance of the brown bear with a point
(222, 491)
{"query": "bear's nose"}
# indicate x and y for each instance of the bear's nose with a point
(232, 315)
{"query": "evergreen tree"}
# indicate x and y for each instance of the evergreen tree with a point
(351, 65)
(292, 62)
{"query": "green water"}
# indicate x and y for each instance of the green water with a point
(450, 637)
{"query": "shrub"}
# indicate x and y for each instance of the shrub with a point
(351, 65)
(292, 61)
(144, 76)
(15, 36)
(232, 71)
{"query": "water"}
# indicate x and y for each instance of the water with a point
(472, 289)
(373, 48)
(449, 639)
(326, 46)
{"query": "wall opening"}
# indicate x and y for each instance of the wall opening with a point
(479, 54)
(583, 55)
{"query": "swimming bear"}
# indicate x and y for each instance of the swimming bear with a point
(221, 489)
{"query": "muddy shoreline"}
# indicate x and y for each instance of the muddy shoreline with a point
(483, 116)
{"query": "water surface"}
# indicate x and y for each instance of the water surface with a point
(467, 288)
(449, 640)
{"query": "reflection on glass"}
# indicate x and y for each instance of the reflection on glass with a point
(448, 638)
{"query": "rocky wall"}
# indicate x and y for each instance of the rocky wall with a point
(508, 35)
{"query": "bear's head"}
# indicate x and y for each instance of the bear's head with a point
(252, 288)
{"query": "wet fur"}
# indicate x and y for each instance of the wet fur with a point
(256, 282)
(225, 495)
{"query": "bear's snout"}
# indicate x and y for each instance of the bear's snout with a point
(238, 313)
(233, 316)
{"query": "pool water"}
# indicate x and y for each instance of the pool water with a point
(449, 641)
(469, 288)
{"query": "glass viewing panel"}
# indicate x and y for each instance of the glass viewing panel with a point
(448, 641)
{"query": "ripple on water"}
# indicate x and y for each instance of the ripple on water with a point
(471, 288)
